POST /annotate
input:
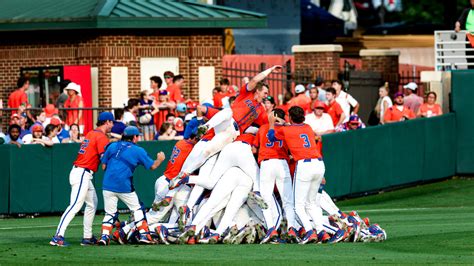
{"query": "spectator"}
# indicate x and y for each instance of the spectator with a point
(319, 83)
(430, 108)
(178, 126)
(146, 112)
(131, 112)
(181, 110)
(165, 106)
(232, 100)
(74, 100)
(174, 90)
(170, 118)
(18, 97)
(412, 100)
(314, 97)
(301, 99)
(353, 124)
(167, 132)
(398, 112)
(61, 132)
(286, 102)
(221, 98)
(269, 104)
(40, 118)
(383, 103)
(74, 135)
(334, 109)
(51, 132)
(50, 110)
(168, 75)
(63, 96)
(36, 137)
(119, 126)
(466, 22)
(23, 124)
(345, 100)
(13, 136)
(320, 122)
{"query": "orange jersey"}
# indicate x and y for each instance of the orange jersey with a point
(180, 152)
(393, 114)
(247, 111)
(175, 93)
(246, 138)
(429, 111)
(16, 99)
(92, 148)
(335, 111)
(218, 98)
(302, 101)
(300, 140)
(267, 149)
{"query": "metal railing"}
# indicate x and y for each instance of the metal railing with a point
(452, 50)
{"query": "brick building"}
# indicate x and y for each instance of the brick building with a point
(124, 42)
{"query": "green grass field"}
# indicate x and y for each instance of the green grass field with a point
(432, 224)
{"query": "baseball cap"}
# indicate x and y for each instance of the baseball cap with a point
(163, 92)
(178, 124)
(208, 105)
(411, 86)
(270, 99)
(15, 116)
(319, 104)
(191, 105)
(354, 119)
(300, 88)
(50, 110)
(37, 128)
(74, 86)
(106, 116)
(181, 107)
(55, 121)
(131, 131)
(398, 94)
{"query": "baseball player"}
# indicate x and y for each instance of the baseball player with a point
(80, 178)
(273, 158)
(119, 162)
(300, 139)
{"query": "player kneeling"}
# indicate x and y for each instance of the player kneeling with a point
(119, 162)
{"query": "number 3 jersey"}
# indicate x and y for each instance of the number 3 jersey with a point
(91, 149)
(179, 154)
(300, 140)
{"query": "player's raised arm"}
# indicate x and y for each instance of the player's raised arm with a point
(261, 76)
(160, 157)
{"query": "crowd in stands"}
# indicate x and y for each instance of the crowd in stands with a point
(163, 113)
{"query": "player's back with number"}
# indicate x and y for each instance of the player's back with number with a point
(91, 149)
(300, 140)
(179, 154)
(268, 149)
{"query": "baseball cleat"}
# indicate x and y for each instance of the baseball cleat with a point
(252, 236)
(162, 233)
(181, 179)
(255, 196)
(205, 232)
(191, 240)
(271, 235)
(379, 234)
(366, 221)
(104, 240)
(119, 236)
(241, 235)
(146, 239)
(232, 232)
(323, 237)
(202, 129)
(189, 231)
(339, 236)
(211, 239)
(163, 203)
(301, 232)
(89, 241)
(183, 217)
(310, 237)
(260, 232)
(58, 241)
(292, 236)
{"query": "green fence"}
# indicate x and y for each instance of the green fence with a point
(36, 179)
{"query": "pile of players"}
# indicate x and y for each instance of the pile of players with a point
(215, 191)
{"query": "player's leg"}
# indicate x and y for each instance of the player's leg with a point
(328, 205)
(267, 183)
(285, 188)
(246, 161)
(194, 155)
(133, 204)
(79, 180)
(89, 211)
(313, 209)
(110, 208)
(224, 161)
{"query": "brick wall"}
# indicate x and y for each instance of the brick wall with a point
(323, 64)
(387, 65)
(106, 51)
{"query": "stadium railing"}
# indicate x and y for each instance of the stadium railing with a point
(452, 50)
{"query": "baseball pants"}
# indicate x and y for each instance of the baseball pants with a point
(110, 208)
(82, 191)
(179, 198)
(308, 176)
(277, 171)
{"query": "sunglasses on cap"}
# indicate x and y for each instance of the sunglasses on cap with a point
(168, 77)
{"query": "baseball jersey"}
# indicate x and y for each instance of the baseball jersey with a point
(246, 138)
(122, 158)
(302, 101)
(394, 114)
(335, 111)
(179, 154)
(210, 112)
(299, 138)
(247, 111)
(268, 149)
(91, 149)
(175, 93)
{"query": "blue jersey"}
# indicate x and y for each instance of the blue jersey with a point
(122, 158)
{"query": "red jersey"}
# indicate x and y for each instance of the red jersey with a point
(92, 148)
(180, 152)
(218, 98)
(175, 93)
(393, 114)
(302, 101)
(267, 149)
(300, 140)
(209, 114)
(16, 99)
(335, 111)
(73, 114)
(246, 137)
(247, 111)
(430, 111)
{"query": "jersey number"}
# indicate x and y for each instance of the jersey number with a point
(174, 154)
(84, 146)
(306, 140)
(270, 144)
